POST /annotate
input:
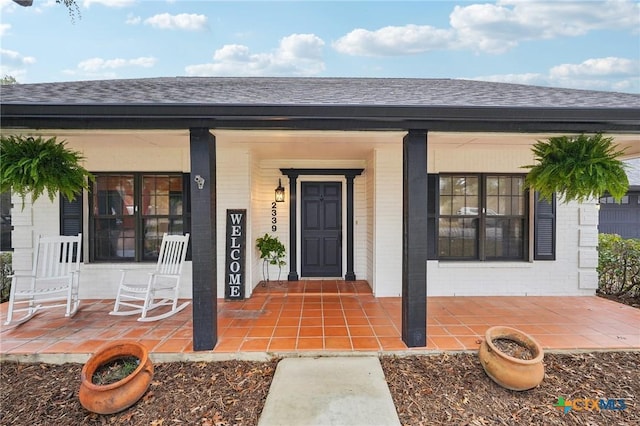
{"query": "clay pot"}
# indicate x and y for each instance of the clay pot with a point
(507, 371)
(118, 396)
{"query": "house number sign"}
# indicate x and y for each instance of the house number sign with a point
(234, 271)
(274, 217)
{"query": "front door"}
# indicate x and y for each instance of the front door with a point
(321, 233)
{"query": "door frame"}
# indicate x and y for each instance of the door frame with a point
(347, 177)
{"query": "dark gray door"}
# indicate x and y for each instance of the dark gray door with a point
(321, 232)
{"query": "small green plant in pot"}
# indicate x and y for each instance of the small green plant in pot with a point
(272, 252)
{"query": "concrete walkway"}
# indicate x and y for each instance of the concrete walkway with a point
(332, 391)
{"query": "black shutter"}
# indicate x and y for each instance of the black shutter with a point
(71, 216)
(544, 229)
(433, 201)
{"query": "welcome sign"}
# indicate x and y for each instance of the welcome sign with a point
(234, 275)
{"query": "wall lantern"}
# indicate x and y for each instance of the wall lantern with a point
(279, 192)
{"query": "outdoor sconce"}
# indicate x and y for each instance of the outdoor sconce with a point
(279, 192)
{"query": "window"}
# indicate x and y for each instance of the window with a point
(611, 200)
(482, 217)
(129, 213)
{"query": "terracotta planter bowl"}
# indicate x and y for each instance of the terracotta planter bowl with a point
(507, 371)
(118, 396)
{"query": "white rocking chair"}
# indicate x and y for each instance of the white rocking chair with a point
(161, 288)
(53, 282)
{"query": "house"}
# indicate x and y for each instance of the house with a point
(414, 185)
(623, 218)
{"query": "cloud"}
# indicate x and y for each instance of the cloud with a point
(14, 57)
(4, 29)
(393, 41)
(14, 64)
(611, 74)
(597, 67)
(133, 20)
(494, 27)
(297, 54)
(182, 21)
(98, 64)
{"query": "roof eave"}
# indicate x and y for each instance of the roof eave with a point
(318, 117)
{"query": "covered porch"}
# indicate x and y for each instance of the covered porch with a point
(329, 316)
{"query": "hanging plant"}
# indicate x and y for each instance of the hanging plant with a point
(34, 165)
(577, 168)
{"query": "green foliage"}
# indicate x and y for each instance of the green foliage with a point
(618, 265)
(115, 370)
(29, 164)
(8, 79)
(271, 249)
(5, 280)
(577, 168)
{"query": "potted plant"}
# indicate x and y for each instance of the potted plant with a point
(512, 358)
(577, 168)
(272, 252)
(34, 165)
(115, 377)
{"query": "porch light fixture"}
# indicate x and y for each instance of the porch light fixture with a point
(279, 192)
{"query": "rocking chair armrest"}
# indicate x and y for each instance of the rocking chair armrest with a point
(21, 275)
(158, 274)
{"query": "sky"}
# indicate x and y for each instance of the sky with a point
(591, 45)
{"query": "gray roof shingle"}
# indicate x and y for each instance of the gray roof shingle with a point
(312, 91)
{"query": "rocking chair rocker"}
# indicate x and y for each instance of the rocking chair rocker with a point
(53, 281)
(161, 288)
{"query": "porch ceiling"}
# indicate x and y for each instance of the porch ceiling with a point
(346, 145)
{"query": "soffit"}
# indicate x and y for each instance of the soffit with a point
(281, 144)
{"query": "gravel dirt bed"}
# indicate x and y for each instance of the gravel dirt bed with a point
(427, 390)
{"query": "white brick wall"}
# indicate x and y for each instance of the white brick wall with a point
(247, 181)
(233, 183)
(387, 221)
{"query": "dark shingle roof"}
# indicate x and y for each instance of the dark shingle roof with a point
(312, 91)
(316, 103)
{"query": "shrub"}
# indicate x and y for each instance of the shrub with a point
(618, 266)
(5, 271)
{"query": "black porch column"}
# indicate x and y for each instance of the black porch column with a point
(293, 224)
(414, 239)
(203, 239)
(350, 275)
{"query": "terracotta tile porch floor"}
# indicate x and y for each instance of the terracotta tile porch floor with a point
(333, 316)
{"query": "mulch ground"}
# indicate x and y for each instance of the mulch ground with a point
(427, 390)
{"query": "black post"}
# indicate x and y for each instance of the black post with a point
(414, 239)
(293, 224)
(203, 239)
(350, 275)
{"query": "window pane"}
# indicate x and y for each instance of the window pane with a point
(457, 238)
(113, 195)
(114, 238)
(162, 210)
(504, 239)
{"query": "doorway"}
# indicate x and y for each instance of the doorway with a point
(321, 230)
